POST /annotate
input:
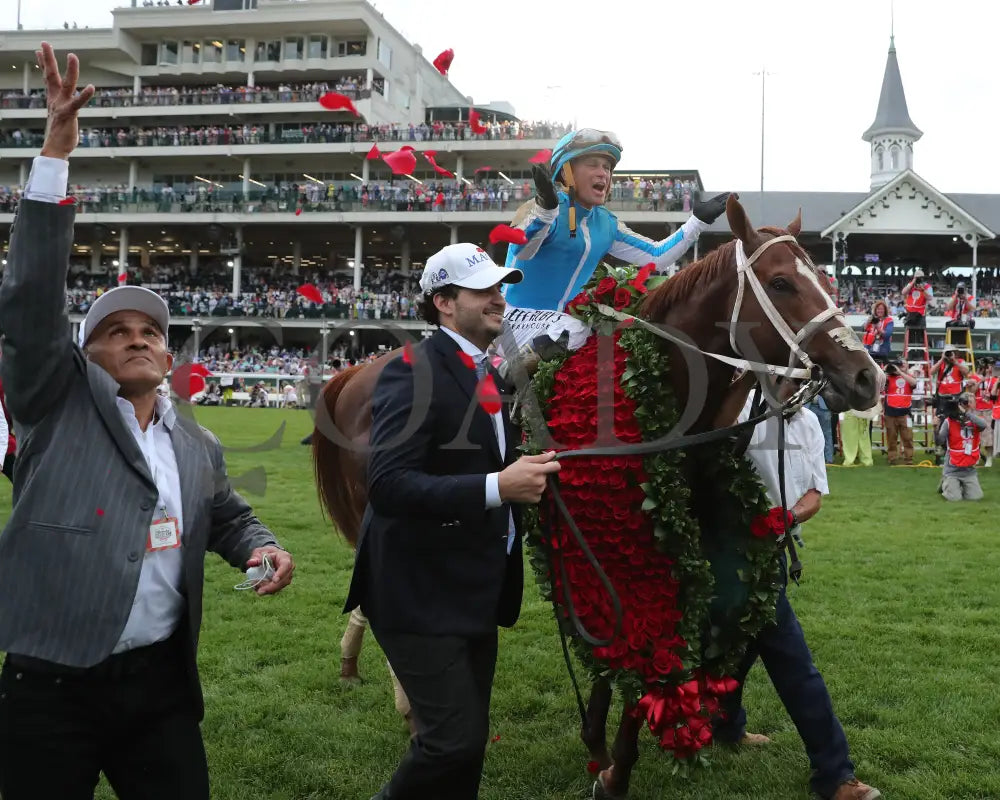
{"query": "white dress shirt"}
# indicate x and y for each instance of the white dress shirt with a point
(47, 180)
(805, 467)
(493, 478)
(159, 603)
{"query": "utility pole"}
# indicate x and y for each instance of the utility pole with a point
(763, 84)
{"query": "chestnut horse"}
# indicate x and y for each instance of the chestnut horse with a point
(774, 309)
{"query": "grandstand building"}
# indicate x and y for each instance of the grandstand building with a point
(206, 158)
(209, 169)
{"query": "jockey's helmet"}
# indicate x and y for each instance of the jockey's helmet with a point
(581, 142)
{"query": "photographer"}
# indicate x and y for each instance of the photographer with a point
(878, 331)
(898, 404)
(985, 389)
(916, 294)
(948, 373)
(959, 309)
(960, 432)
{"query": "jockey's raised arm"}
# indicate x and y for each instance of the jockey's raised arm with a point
(569, 231)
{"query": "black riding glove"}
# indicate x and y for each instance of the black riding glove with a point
(710, 210)
(545, 190)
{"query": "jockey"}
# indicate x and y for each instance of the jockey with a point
(569, 232)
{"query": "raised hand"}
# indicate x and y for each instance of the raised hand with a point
(62, 130)
(710, 210)
(545, 190)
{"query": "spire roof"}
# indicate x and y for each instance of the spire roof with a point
(892, 114)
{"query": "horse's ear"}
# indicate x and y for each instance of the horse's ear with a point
(795, 226)
(739, 223)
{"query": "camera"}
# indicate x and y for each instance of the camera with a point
(893, 367)
(952, 407)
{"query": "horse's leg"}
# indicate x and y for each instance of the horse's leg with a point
(594, 730)
(402, 701)
(612, 783)
(350, 648)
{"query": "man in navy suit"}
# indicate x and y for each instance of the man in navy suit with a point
(438, 564)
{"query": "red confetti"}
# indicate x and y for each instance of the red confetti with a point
(505, 233)
(496, 738)
(374, 153)
(483, 169)
(193, 2)
(408, 354)
(298, 211)
(593, 767)
(335, 101)
(430, 153)
(474, 124)
(489, 395)
(443, 61)
(406, 148)
(188, 380)
(100, 512)
(67, 201)
(541, 157)
(401, 163)
(466, 359)
(311, 293)
(437, 167)
(123, 277)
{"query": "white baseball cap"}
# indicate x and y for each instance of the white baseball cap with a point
(466, 265)
(125, 298)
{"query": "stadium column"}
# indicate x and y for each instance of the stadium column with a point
(22, 174)
(136, 87)
(193, 261)
(365, 171)
(454, 234)
(133, 173)
(459, 166)
(975, 268)
(358, 254)
(296, 256)
(238, 262)
(25, 76)
(122, 255)
(246, 178)
(404, 255)
(196, 336)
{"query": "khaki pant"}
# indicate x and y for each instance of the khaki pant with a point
(962, 486)
(898, 427)
(855, 440)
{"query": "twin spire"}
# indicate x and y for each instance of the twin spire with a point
(893, 133)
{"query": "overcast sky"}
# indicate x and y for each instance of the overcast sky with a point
(675, 80)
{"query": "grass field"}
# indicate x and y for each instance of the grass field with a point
(899, 604)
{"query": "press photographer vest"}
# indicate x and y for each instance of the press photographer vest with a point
(983, 390)
(898, 393)
(916, 300)
(963, 444)
(950, 381)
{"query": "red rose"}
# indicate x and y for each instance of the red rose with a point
(623, 297)
(760, 526)
(605, 289)
(580, 300)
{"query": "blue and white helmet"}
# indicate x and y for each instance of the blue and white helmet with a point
(586, 140)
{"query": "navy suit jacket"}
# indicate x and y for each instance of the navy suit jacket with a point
(431, 558)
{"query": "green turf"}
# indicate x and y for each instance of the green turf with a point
(898, 603)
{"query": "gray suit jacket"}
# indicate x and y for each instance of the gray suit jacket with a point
(72, 550)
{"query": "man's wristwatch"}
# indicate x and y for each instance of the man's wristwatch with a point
(795, 518)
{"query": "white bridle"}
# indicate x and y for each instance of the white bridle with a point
(843, 334)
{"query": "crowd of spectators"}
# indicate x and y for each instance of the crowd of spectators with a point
(859, 293)
(263, 294)
(286, 133)
(480, 194)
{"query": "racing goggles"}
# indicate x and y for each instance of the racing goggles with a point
(586, 140)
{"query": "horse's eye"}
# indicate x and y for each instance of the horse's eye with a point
(780, 284)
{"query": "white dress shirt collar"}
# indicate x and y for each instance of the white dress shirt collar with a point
(467, 347)
(163, 410)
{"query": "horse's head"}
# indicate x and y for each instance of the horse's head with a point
(786, 308)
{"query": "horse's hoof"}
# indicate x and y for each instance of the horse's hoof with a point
(600, 793)
(349, 675)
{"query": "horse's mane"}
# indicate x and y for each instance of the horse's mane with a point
(698, 274)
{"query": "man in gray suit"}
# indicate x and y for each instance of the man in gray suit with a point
(117, 497)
